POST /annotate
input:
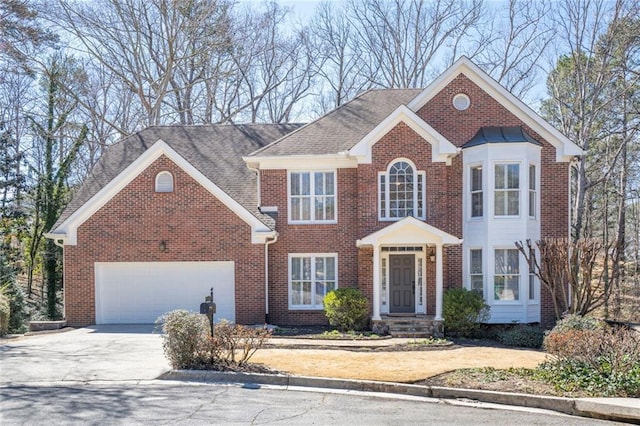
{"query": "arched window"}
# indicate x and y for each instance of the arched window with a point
(401, 191)
(164, 182)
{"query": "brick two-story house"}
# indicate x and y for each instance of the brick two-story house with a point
(401, 193)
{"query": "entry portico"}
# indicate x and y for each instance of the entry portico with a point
(400, 255)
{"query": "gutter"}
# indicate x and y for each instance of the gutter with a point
(266, 275)
(58, 239)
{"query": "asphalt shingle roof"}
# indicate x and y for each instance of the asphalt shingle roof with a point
(342, 128)
(215, 150)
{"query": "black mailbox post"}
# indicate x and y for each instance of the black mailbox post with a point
(208, 308)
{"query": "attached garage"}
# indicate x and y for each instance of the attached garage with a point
(139, 292)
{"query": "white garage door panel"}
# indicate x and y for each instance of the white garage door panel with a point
(139, 292)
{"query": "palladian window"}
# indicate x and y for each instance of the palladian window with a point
(401, 192)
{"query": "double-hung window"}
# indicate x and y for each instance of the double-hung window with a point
(311, 277)
(476, 192)
(312, 197)
(507, 190)
(532, 276)
(401, 192)
(476, 277)
(507, 274)
(532, 191)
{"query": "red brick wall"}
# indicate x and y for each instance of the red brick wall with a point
(460, 126)
(318, 238)
(195, 225)
(358, 201)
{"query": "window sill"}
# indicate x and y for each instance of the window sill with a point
(305, 309)
(315, 222)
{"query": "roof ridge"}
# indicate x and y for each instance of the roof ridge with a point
(329, 113)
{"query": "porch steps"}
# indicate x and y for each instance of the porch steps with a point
(410, 327)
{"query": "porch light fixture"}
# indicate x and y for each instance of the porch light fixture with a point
(163, 246)
(432, 254)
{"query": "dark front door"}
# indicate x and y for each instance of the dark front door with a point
(402, 283)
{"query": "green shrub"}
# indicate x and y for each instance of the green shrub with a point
(593, 357)
(347, 309)
(522, 335)
(17, 307)
(463, 311)
(5, 312)
(188, 344)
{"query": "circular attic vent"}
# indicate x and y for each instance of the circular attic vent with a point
(461, 102)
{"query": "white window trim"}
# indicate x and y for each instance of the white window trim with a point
(483, 273)
(293, 307)
(157, 182)
(536, 192)
(536, 284)
(419, 176)
(483, 191)
(312, 187)
(494, 189)
(522, 298)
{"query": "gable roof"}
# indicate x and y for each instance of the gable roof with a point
(213, 153)
(409, 230)
(342, 128)
(565, 148)
(441, 149)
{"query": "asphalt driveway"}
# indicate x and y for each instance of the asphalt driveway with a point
(107, 352)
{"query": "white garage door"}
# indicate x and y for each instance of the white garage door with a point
(139, 292)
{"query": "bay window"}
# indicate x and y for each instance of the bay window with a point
(507, 190)
(507, 274)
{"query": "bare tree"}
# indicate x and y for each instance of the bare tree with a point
(569, 271)
(516, 42)
(338, 60)
(144, 42)
(405, 41)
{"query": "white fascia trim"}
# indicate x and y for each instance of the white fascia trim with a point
(566, 150)
(438, 236)
(441, 149)
(259, 231)
(302, 162)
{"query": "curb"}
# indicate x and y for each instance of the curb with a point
(584, 407)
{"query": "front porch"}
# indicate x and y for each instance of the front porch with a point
(411, 326)
(407, 263)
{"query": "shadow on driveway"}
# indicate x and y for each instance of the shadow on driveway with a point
(126, 328)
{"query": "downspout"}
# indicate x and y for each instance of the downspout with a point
(266, 276)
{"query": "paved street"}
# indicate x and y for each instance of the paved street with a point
(108, 375)
(161, 402)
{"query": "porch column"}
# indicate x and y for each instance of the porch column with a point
(439, 284)
(376, 282)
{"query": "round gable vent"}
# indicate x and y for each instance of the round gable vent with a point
(461, 102)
